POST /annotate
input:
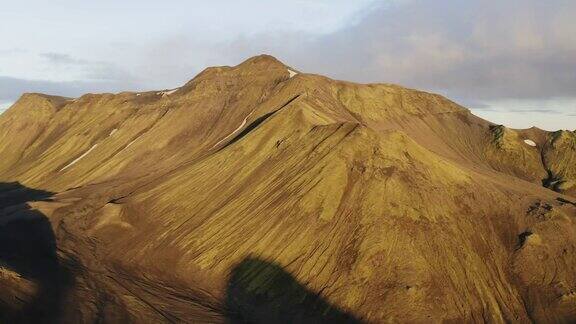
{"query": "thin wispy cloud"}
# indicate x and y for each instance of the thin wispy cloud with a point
(543, 111)
(62, 59)
(474, 49)
(12, 88)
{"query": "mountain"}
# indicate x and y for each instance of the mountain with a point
(259, 194)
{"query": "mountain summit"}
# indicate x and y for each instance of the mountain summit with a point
(258, 193)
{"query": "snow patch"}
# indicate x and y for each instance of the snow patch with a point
(113, 132)
(292, 73)
(530, 142)
(235, 131)
(129, 144)
(167, 92)
(138, 94)
(79, 158)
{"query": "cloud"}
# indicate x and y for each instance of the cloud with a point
(93, 77)
(477, 49)
(62, 59)
(12, 88)
(536, 110)
(90, 70)
(11, 51)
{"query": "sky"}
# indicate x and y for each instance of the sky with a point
(512, 62)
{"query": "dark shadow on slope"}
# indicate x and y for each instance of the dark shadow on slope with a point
(552, 181)
(522, 237)
(263, 292)
(28, 248)
(250, 128)
(257, 123)
(565, 201)
(13, 193)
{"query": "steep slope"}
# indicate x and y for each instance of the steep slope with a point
(21, 125)
(252, 194)
(560, 160)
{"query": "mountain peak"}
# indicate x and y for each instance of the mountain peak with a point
(265, 59)
(265, 62)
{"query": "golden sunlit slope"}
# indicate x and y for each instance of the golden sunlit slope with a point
(258, 194)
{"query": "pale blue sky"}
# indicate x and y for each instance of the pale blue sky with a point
(512, 62)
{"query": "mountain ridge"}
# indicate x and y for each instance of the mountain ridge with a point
(384, 203)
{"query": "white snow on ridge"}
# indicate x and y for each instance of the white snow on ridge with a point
(79, 158)
(113, 131)
(133, 141)
(292, 73)
(530, 142)
(235, 131)
(129, 144)
(167, 92)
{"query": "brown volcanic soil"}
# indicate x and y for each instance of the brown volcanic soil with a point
(248, 195)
